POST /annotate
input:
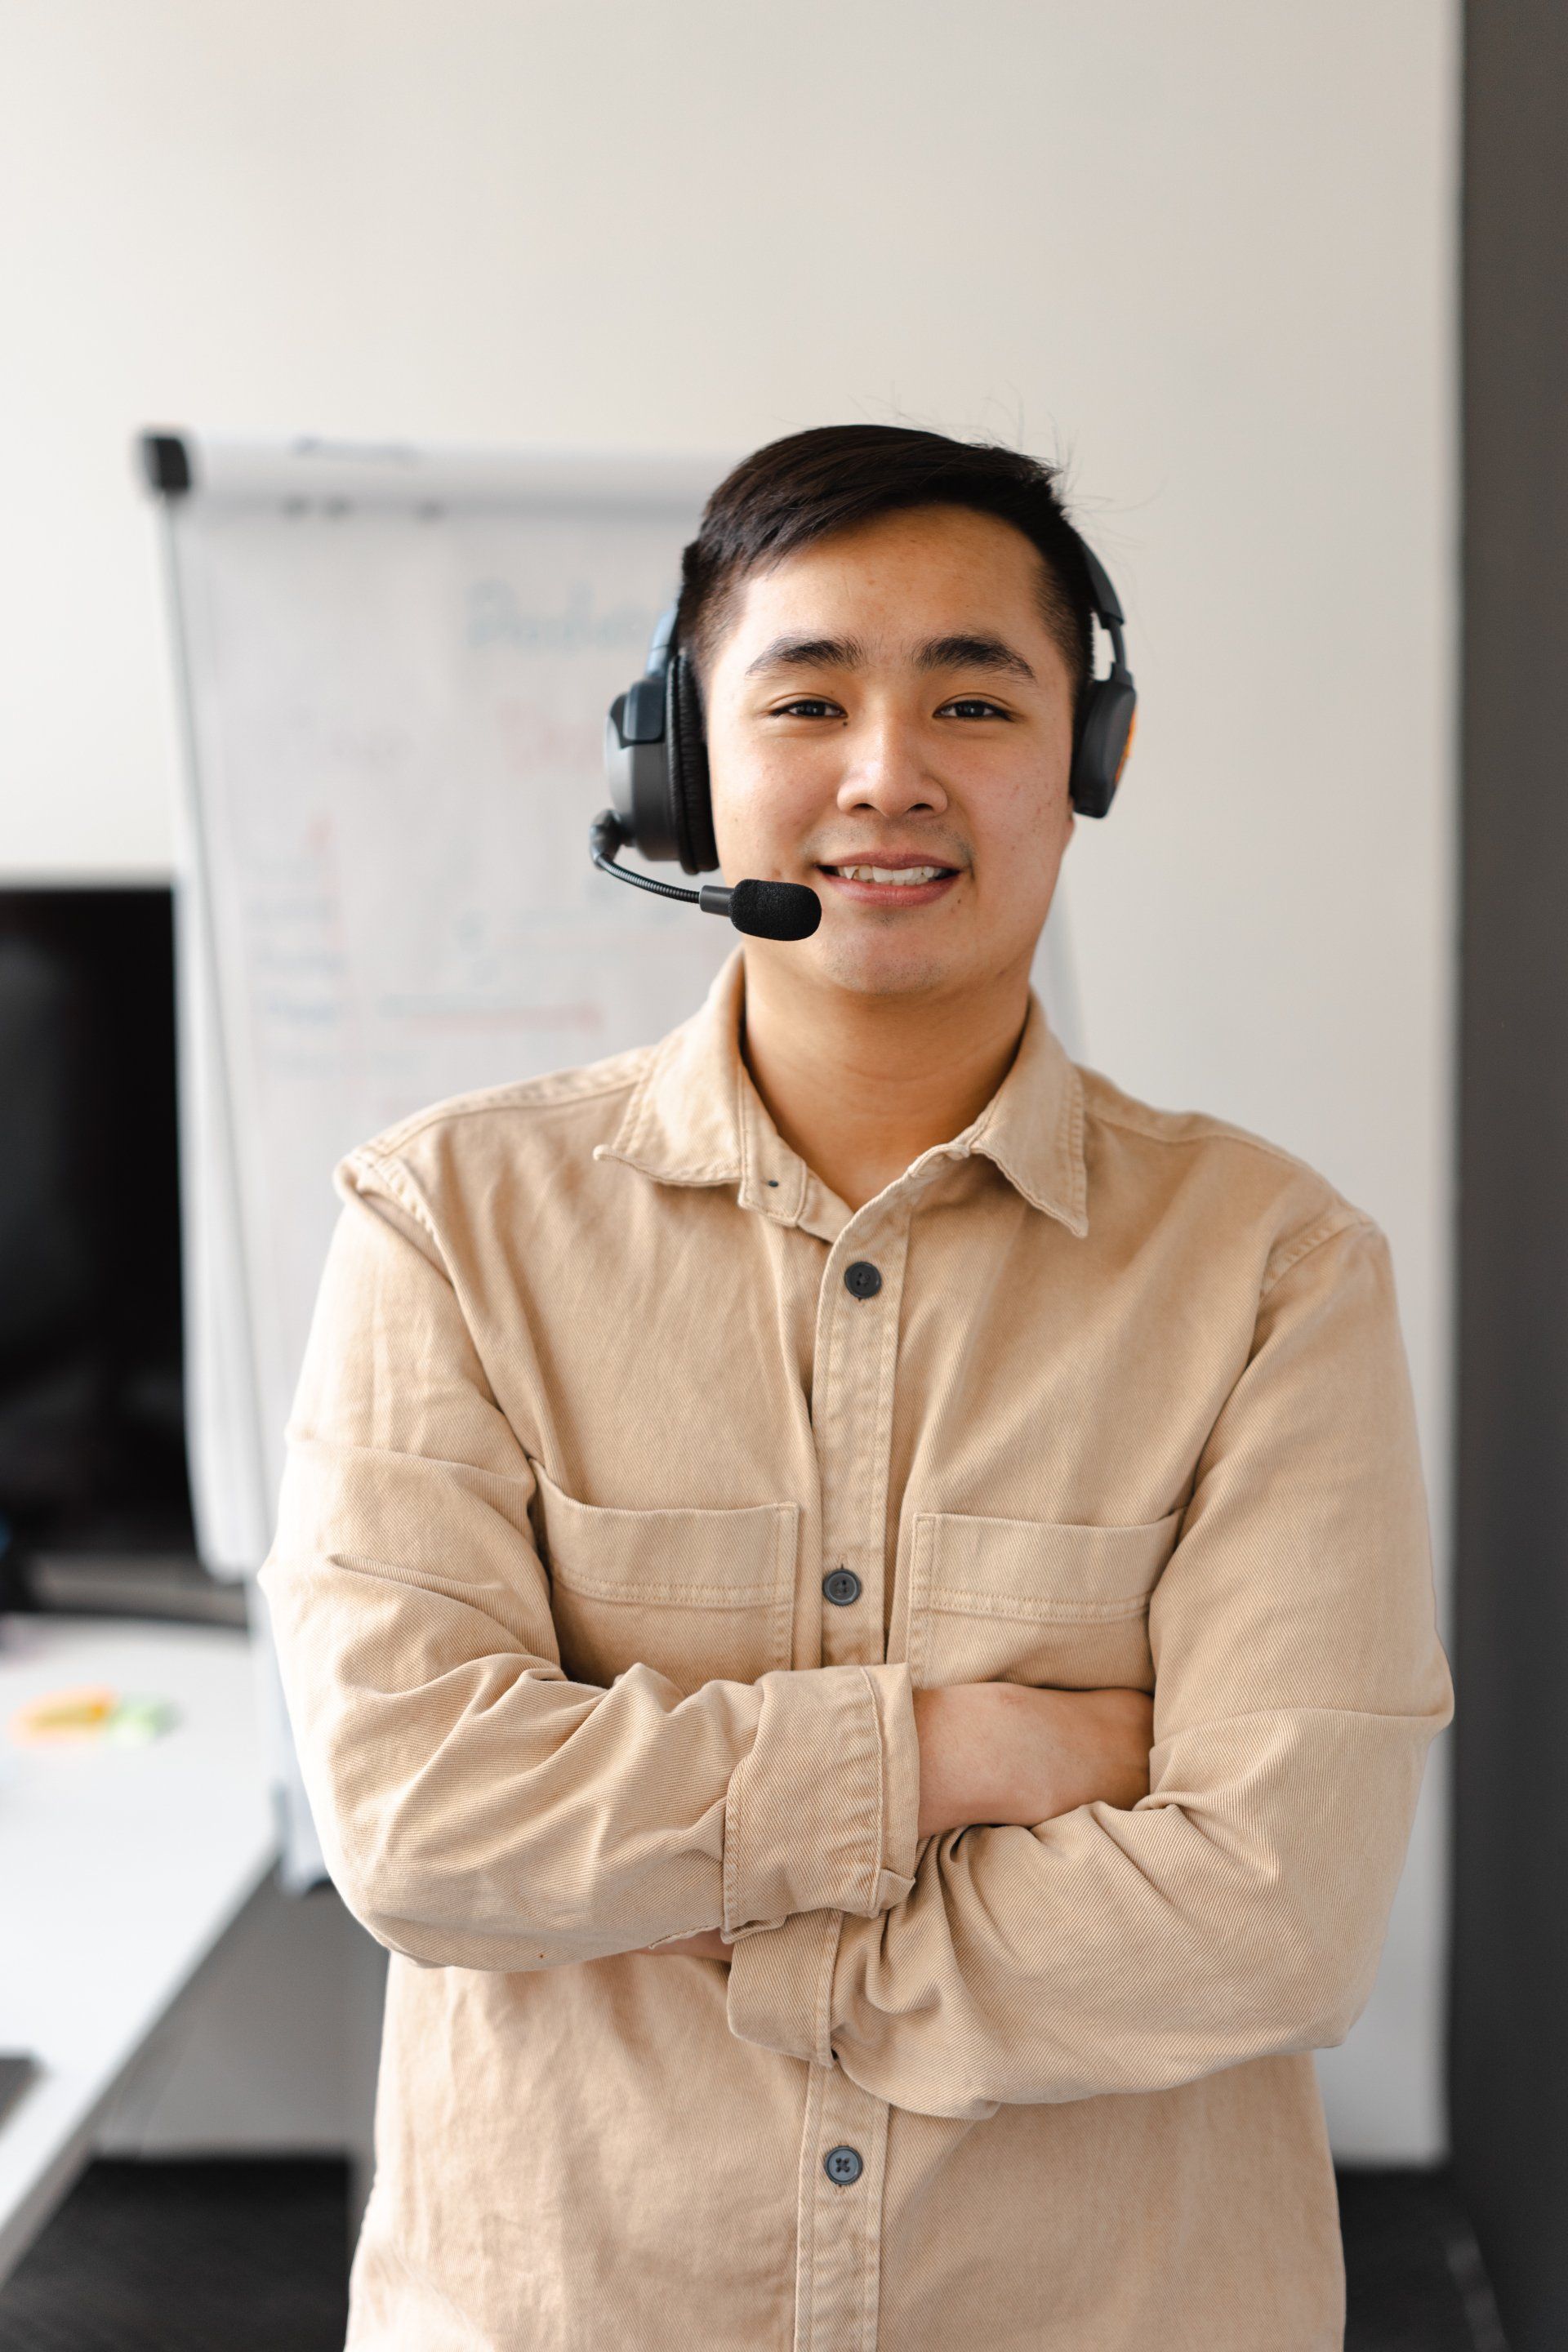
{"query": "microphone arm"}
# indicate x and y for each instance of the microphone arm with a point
(605, 837)
(768, 910)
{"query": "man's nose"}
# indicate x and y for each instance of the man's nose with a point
(890, 772)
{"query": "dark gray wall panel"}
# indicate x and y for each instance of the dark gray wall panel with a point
(1510, 2005)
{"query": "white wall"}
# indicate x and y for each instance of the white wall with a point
(1203, 249)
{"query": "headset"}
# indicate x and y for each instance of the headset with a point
(656, 758)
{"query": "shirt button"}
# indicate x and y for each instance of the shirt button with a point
(862, 1279)
(843, 1586)
(843, 2165)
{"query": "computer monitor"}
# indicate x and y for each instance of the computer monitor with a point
(94, 1500)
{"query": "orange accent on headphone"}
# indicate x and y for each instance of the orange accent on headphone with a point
(1126, 747)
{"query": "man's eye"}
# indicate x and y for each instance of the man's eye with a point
(973, 706)
(807, 706)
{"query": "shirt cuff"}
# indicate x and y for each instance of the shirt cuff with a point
(782, 1971)
(781, 1986)
(820, 1814)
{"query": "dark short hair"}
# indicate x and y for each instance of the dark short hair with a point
(797, 490)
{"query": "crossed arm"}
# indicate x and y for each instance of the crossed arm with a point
(1002, 1752)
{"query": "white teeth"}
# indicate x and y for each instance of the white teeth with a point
(910, 874)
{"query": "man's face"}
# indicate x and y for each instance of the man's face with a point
(891, 696)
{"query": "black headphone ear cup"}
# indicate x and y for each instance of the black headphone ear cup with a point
(690, 802)
(1104, 738)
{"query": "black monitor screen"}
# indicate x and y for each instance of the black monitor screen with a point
(92, 1450)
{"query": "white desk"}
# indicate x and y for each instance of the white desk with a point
(119, 1868)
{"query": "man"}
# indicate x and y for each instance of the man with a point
(856, 1601)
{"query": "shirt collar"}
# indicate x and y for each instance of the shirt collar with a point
(695, 1118)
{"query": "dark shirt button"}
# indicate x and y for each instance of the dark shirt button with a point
(843, 2165)
(862, 1279)
(843, 1586)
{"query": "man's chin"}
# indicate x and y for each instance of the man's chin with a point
(867, 966)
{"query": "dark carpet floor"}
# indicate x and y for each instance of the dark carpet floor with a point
(213, 2256)
(1415, 2281)
(231, 2256)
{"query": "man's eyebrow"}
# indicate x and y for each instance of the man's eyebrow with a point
(809, 652)
(971, 653)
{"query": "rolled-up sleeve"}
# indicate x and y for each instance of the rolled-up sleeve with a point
(476, 1807)
(1239, 1910)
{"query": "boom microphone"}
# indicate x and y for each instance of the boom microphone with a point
(766, 910)
(769, 910)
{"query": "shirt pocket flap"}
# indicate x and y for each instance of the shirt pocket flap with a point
(1044, 1570)
(1036, 1601)
(697, 1593)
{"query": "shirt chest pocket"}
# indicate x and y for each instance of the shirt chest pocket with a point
(699, 1595)
(1031, 1600)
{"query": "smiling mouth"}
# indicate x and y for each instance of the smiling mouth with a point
(899, 877)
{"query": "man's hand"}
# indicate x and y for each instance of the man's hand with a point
(1004, 1752)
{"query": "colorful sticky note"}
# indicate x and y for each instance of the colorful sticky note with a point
(77, 1714)
(137, 1720)
(93, 1711)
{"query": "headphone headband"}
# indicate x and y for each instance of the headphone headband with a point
(1106, 607)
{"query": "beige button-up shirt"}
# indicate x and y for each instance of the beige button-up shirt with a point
(624, 1511)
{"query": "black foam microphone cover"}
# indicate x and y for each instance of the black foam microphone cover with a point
(775, 910)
